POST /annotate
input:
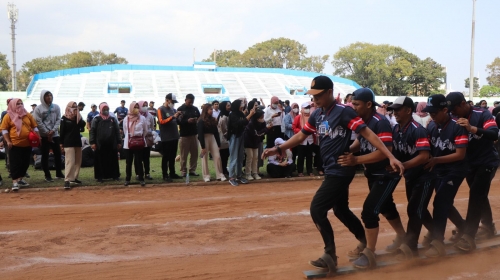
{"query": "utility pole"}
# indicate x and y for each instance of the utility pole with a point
(13, 13)
(471, 77)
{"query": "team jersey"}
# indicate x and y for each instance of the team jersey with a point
(382, 128)
(91, 115)
(121, 112)
(481, 151)
(408, 141)
(444, 141)
(334, 128)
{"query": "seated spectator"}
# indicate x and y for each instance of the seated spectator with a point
(280, 165)
(87, 153)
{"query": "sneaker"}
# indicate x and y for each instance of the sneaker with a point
(137, 177)
(319, 263)
(395, 244)
(193, 174)
(76, 182)
(100, 181)
(256, 176)
(59, 177)
(456, 235)
(67, 185)
(27, 175)
(175, 176)
(15, 187)
(465, 245)
(243, 180)
(142, 183)
(356, 253)
(23, 183)
(168, 180)
(249, 177)
(362, 262)
(233, 182)
(432, 252)
(49, 179)
(222, 179)
(486, 232)
(148, 177)
(206, 180)
(126, 183)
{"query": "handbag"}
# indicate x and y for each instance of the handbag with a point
(150, 140)
(135, 142)
(32, 137)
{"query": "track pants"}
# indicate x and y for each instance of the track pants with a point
(446, 190)
(379, 200)
(334, 194)
(418, 193)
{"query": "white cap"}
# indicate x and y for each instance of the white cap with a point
(305, 105)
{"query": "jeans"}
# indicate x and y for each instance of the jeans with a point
(236, 154)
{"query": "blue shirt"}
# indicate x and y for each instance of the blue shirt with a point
(382, 127)
(121, 112)
(444, 141)
(481, 151)
(407, 142)
(91, 115)
(334, 128)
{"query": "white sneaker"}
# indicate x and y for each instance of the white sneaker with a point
(222, 179)
(256, 176)
(249, 177)
(207, 179)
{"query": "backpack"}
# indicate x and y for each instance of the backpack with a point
(105, 131)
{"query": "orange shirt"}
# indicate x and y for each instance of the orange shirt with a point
(20, 140)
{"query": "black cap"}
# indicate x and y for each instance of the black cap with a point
(455, 98)
(435, 103)
(387, 102)
(190, 96)
(365, 95)
(81, 104)
(496, 102)
(33, 104)
(319, 84)
(402, 101)
(123, 101)
(172, 97)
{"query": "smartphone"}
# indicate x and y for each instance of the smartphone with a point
(279, 113)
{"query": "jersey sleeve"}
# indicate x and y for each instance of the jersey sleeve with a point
(310, 126)
(489, 122)
(384, 132)
(461, 137)
(422, 139)
(352, 121)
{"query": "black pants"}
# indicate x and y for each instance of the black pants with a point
(134, 156)
(479, 209)
(418, 193)
(272, 134)
(169, 151)
(305, 152)
(46, 146)
(334, 194)
(19, 161)
(446, 190)
(224, 158)
(146, 155)
(318, 161)
(277, 171)
(379, 200)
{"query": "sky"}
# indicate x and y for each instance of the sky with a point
(151, 32)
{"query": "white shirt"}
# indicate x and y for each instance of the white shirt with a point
(424, 121)
(215, 113)
(141, 129)
(289, 158)
(268, 116)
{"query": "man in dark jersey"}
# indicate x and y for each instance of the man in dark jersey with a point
(411, 146)
(334, 123)
(482, 158)
(381, 182)
(448, 146)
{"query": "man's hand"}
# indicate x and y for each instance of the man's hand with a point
(397, 166)
(119, 146)
(348, 159)
(9, 144)
(276, 115)
(463, 122)
(191, 120)
(177, 114)
(269, 152)
(430, 164)
(93, 146)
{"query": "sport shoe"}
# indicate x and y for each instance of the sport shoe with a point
(256, 176)
(15, 187)
(249, 177)
(243, 180)
(126, 183)
(426, 241)
(206, 180)
(167, 179)
(320, 263)
(362, 262)
(456, 235)
(27, 175)
(49, 179)
(357, 251)
(142, 183)
(59, 177)
(67, 185)
(175, 176)
(223, 178)
(76, 182)
(23, 183)
(486, 232)
(466, 244)
(233, 182)
(148, 177)
(395, 244)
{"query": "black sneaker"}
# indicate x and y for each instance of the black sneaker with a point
(142, 183)
(15, 187)
(49, 179)
(175, 176)
(148, 177)
(67, 185)
(23, 183)
(243, 180)
(27, 175)
(60, 177)
(100, 181)
(193, 174)
(168, 180)
(76, 182)
(126, 183)
(233, 182)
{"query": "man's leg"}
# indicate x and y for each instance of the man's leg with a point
(57, 157)
(419, 193)
(45, 157)
(184, 146)
(194, 153)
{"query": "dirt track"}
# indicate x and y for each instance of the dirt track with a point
(257, 231)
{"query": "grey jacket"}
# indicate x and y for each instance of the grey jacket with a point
(47, 122)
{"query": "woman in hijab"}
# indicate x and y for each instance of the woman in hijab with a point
(150, 121)
(225, 108)
(71, 144)
(105, 140)
(134, 125)
(421, 117)
(16, 127)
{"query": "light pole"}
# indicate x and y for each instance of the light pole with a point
(471, 77)
(12, 14)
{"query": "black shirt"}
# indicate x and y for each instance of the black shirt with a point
(70, 132)
(481, 150)
(186, 128)
(380, 126)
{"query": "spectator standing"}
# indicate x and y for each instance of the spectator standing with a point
(153, 112)
(225, 108)
(273, 115)
(16, 127)
(305, 150)
(168, 119)
(33, 106)
(253, 135)
(208, 135)
(91, 115)
(81, 106)
(281, 165)
(215, 109)
(288, 123)
(71, 144)
(134, 125)
(105, 140)
(150, 123)
(188, 131)
(287, 109)
(121, 112)
(48, 118)
(423, 118)
(7, 161)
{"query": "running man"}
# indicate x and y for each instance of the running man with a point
(334, 123)
(381, 182)
(482, 158)
(449, 142)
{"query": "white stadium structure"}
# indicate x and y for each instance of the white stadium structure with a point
(112, 83)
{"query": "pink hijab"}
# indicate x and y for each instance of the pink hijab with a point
(70, 112)
(141, 104)
(274, 99)
(16, 114)
(132, 118)
(101, 107)
(292, 113)
(420, 107)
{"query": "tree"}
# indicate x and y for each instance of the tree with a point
(5, 73)
(225, 58)
(314, 63)
(489, 91)
(427, 77)
(494, 72)
(476, 84)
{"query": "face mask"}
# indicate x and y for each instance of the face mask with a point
(135, 111)
(19, 106)
(306, 111)
(144, 109)
(274, 106)
(261, 120)
(295, 110)
(171, 105)
(105, 112)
